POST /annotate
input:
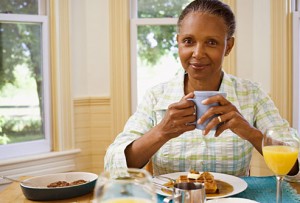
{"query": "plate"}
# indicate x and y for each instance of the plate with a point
(36, 188)
(238, 184)
(231, 200)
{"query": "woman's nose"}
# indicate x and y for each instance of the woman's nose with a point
(198, 51)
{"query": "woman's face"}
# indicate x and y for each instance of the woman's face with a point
(202, 44)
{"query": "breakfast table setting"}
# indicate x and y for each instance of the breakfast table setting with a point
(280, 148)
(257, 189)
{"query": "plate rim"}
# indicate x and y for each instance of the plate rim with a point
(38, 193)
(25, 182)
(237, 188)
(236, 198)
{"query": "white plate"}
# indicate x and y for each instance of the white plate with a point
(238, 184)
(231, 200)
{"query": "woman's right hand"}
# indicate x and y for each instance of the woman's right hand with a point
(178, 118)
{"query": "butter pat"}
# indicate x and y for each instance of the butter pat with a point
(193, 176)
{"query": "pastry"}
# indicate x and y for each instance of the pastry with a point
(207, 178)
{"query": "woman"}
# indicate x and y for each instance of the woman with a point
(157, 131)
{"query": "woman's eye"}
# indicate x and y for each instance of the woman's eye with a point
(212, 43)
(187, 41)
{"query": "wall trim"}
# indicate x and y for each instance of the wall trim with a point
(92, 127)
(88, 101)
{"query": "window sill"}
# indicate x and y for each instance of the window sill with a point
(53, 162)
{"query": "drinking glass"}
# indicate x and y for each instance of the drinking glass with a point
(125, 186)
(280, 147)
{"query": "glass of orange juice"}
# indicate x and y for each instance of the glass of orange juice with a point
(280, 147)
(128, 185)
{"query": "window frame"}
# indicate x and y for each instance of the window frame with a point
(63, 156)
(135, 21)
(44, 145)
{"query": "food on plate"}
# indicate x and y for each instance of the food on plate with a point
(65, 183)
(59, 184)
(207, 178)
(216, 185)
(78, 182)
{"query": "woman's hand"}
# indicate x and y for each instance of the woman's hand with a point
(229, 118)
(178, 118)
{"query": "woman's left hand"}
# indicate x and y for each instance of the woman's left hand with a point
(229, 118)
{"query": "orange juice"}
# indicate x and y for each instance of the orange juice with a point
(128, 200)
(280, 159)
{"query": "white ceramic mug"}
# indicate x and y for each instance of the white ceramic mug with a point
(187, 192)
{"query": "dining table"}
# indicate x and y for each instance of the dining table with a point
(261, 189)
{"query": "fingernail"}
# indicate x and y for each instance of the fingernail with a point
(203, 101)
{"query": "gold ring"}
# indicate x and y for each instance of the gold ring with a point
(219, 118)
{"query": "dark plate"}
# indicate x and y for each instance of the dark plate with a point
(36, 188)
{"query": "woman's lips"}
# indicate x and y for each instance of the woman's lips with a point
(198, 66)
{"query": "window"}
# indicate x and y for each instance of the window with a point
(24, 78)
(153, 44)
(296, 64)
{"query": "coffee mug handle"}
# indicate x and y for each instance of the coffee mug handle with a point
(193, 123)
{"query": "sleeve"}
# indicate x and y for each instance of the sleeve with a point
(136, 126)
(266, 114)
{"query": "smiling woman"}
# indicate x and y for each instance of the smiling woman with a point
(253, 62)
(154, 48)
